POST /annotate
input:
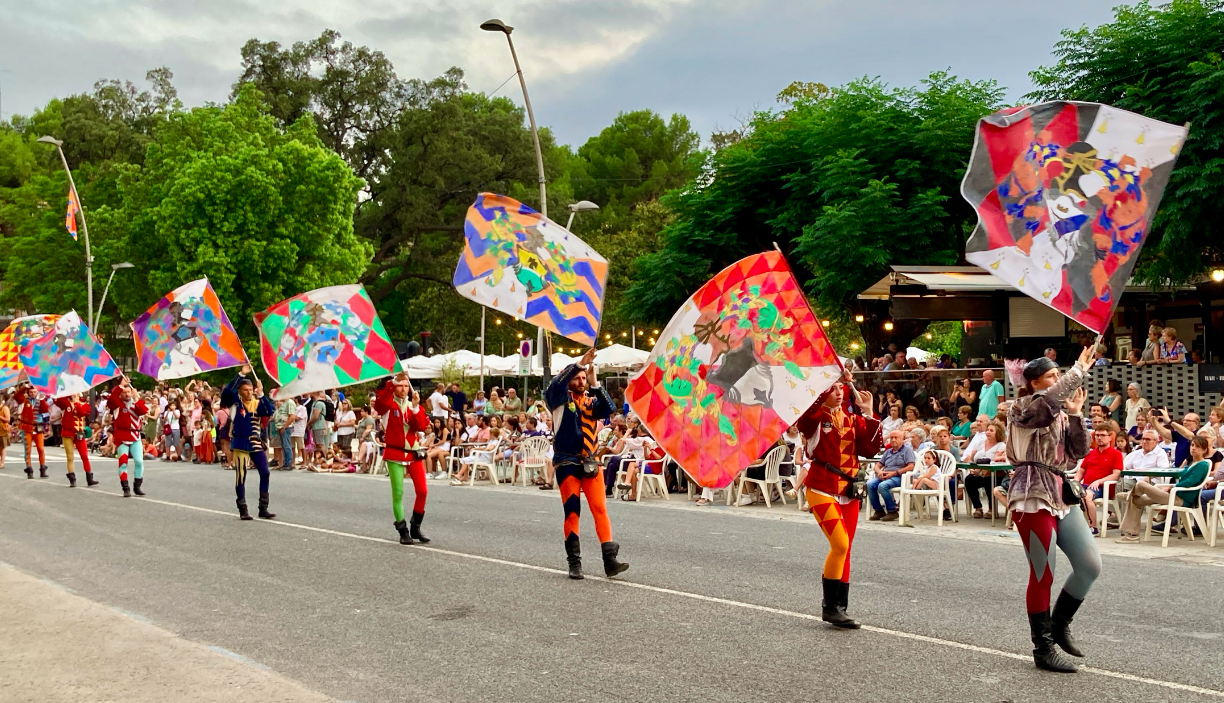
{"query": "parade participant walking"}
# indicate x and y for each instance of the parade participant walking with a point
(247, 404)
(578, 403)
(75, 417)
(835, 441)
(404, 420)
(32, 408)
(126, 410)
(1043, 442)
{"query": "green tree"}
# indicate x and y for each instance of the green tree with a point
(265, 213)
(1163, 62)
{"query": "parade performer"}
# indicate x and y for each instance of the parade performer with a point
(126, 410)
(1043, 443)
(835, 440)
(404, 420)
(247, 404)
(32, 409)
(578, 403)
(75, 418)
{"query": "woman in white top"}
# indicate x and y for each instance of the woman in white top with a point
(346, 425)
(894, 421)
(1135, 404)
(483, 455)
(633, 447)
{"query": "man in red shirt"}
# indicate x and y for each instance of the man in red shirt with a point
(76, 414)
(1103, 463)
(404, 420)
(31, 413)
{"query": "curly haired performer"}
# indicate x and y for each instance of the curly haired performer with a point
(577, 410)
(76, 413)
(404, 420)
(32, 408)
(835, 439)
(1043, 442)
(248, 404)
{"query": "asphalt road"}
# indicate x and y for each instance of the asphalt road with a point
(717, 606)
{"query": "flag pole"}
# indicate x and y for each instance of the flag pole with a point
(84, 227)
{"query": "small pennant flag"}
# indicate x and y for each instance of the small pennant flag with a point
(73, 208)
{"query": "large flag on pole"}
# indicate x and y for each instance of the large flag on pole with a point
(67, 359)
(1065, 194)
(523, 264)
(738, 364)
(185, 333)
(73, 208)
(327, 338)
(18, 332)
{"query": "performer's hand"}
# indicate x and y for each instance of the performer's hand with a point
(863, 399)
(1085, 357)
(1076, 402)
(246, 370)
(588, 358)
(416, 397)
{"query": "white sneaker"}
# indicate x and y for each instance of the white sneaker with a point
(745, 500)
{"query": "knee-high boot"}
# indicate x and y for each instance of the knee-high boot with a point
(402, 528)
(1064, 611)
(573, 555)
(416, 528)
(612, 567)
(1045, 655)
(136, 486)
(242, 510)
(263, 507)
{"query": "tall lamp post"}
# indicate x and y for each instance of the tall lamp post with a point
(84, 226)
(580, 206)
(114, 267)
(496, 25)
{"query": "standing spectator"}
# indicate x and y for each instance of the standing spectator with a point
(1151, 352)
(6, 417)
(439, 404)
(897, 459)
(1135, 405)
(1171, 350)
(346, 425)
(1112, 400)
(513, 405)
(1102, 355)
(1145, 494)
(317, 424)
(282, 426)
(458, 401)
(991, 395)
(297, 434)
(1051, 354)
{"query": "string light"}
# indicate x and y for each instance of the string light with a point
(888, 326)
(858, 319)
(854, 345)
(497, 321)
(928, 336)
(520, 335)
(624, 334)
(607, 336)
(656, 333)
(825, 323)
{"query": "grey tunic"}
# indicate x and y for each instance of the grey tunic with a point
(1039, 430)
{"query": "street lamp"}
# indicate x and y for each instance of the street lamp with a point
(114, 267)
(580, 206)
(1217, 275)
(496, 25)
(84, 226)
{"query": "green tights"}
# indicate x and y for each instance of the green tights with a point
(416, 472)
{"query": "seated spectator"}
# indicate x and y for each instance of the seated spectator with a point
(926, 478)
(918, 440)
(1217, 475)
(1145, 494)
(1176, 433)
(635, 447)
(942, 439)
(994, 452)
(1141, 425)
(1103, 463)
(1122, 443)
(1149, 455)
(962, 429)
(911, 414)
(1171, 350)
(893, 421)
(1097, 415)
(484, 454)
(896, 459)
(977, 442)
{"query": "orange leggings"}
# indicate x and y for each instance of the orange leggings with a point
(70, 443)
(838, 522)
(571, 482)
(35, 438)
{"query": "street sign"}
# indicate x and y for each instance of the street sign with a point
(524, 360)
(1211, 378)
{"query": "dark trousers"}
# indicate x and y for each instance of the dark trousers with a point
(610, 474)
(973, 482)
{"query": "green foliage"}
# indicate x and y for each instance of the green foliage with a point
(44, 270)
(848, 180)
(1163, 62)
(634, 160)
(941, 338)
(452, 372)
(223, 192)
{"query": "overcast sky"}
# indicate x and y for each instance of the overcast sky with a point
(585, 60)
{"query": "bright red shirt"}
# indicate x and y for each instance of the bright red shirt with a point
(836, 438)
(75, 415)
(402, 425)
(1099, 464)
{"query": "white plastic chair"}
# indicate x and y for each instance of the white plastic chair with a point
(943, 494)
(771, 463)
(656, 482)
(532, 460)
(1195, 512)
(1215, 515)
(379, 463)
(487, 464)
(1108, 501)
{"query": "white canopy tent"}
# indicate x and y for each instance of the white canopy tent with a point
(618, 357)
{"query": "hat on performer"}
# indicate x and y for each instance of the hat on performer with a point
(1036, 368)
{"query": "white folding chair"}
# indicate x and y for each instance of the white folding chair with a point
(771, 463)
(532, 458)
(1215, 515)
(487, 464)
(657, 482)
(1109, 499)
(944, 474)
(1194, 512)
(379, 463)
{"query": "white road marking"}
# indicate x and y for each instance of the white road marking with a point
(901, 634)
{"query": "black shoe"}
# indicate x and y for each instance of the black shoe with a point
(136, 486)
(263, 507)
(573, 555)
(1045, 655)
(89, 479)
(833, 609)
(612, 567)
(72, 480)
(242, 511)
(1060, 630)
(29, 472)
(127, 491)
(415, 528)
(402, 528)
(42, 471)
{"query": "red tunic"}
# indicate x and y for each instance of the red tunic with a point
(836, 438)
(29, 409)
(126, 421)
(403, 428)
(75, 416)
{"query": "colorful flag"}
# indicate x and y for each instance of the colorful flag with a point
(73, 208)
(20, 331)
(738, 364)
(67, 359)
(187, 332)
(521, 263)
(326, 338)
(1065, 194)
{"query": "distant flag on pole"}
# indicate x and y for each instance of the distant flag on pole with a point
(73, 208)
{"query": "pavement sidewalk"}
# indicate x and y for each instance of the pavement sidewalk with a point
(57, 646)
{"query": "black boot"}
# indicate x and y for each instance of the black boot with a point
(136, 486)
(416, 528)
(72, 480)
(29, 472)
(89, 479)
(844, 603)
(832, 610)
(1064, 611)
(42, 471)
(242, 510)
(402, 528)
(612, 567)
(573, 555)
(127, 492)
(1045, 655)
(263, 507)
